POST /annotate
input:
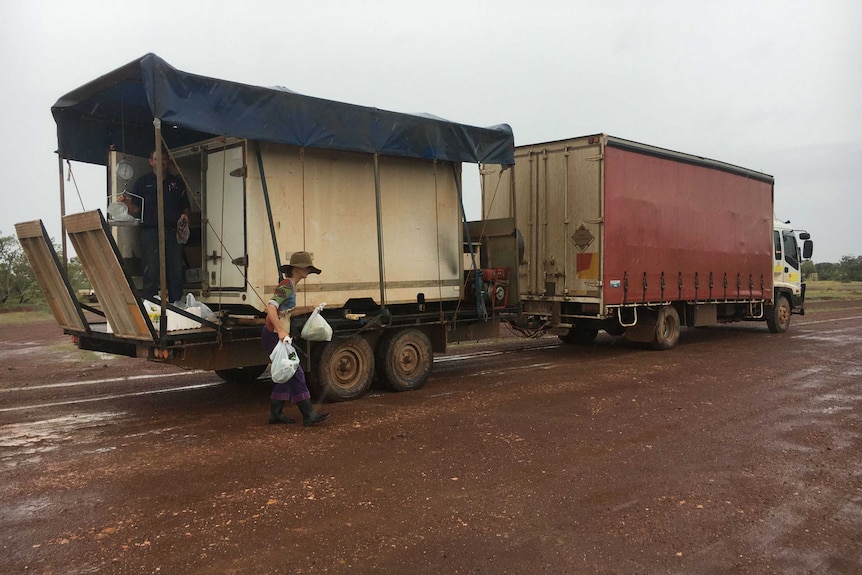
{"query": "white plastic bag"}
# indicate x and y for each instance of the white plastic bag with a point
(284, 361)
(119, 212)
(316, 328)
(206, 312)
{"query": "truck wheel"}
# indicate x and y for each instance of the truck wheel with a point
(241, 374)
(343, 368)
(404, 359)
(778, 316)
(666, 328)
(580, 335)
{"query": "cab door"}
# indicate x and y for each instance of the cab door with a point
(786, 268)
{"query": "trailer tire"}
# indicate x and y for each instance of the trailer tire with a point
(243, 374)
(580, 335)
(778, 318)
(343, 368)
(404, 359)
(667, 328)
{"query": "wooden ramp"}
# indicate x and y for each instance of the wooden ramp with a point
(100, 259)
(49, 274)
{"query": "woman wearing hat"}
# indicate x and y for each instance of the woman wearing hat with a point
(277, 327)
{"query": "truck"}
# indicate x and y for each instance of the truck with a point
(375, 196)
(576, 236)
(638, 241)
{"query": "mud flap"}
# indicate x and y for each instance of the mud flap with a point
(644, 331)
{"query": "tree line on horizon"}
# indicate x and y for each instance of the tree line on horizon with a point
(848, 269)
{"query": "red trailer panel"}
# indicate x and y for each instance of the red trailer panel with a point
(677, 230)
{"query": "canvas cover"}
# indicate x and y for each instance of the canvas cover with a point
(118, 109)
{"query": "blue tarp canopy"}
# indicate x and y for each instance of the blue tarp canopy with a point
(118, 110)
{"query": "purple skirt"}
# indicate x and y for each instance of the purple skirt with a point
(294, 389)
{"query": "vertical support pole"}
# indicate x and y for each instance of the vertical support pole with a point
(565, 291)
(160, 194)
(543, 230)
(63, 214)
(268, 207)
(379, 207)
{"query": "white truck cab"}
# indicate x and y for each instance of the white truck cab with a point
(787, 263)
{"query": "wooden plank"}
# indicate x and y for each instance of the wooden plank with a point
(50, 276)
(101, 262)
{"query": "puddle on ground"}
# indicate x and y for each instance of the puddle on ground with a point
(29, 439)
(26, 509)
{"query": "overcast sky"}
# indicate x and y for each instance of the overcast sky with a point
(774, 86)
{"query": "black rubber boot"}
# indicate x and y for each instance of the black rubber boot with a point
(275, 413)
(309, 416)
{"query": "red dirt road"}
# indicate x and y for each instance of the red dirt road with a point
(737, 452)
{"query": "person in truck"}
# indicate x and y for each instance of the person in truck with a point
(144, 205)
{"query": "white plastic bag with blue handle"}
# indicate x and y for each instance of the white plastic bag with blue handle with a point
(284, 361)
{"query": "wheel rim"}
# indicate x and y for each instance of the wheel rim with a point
(783, 314)
(347, 368)
(407, 360)
(342, 369)
(669, 328)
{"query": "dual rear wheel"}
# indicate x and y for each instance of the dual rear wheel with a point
(344, 368)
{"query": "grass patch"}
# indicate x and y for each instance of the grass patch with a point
(23, 317)
(832, 290)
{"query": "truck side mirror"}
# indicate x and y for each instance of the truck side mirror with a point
(807, 249)
(804, 236)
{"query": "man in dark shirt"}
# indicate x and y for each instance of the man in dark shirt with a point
(176, 208)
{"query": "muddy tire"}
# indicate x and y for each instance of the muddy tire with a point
(343, 368)
(778, 316)
(241, 374)
(667, 328)
(404, 359)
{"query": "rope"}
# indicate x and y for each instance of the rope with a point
(493, 198)
(71, 177)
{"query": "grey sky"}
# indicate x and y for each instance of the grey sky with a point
(769, 85)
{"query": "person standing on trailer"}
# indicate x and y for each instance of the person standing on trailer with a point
(278, 313)
(176, 214)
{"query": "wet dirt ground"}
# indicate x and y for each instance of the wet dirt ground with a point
(739, 451)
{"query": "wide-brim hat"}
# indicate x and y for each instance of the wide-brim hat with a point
(301, 260)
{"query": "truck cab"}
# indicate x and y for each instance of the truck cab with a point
(787, 263)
